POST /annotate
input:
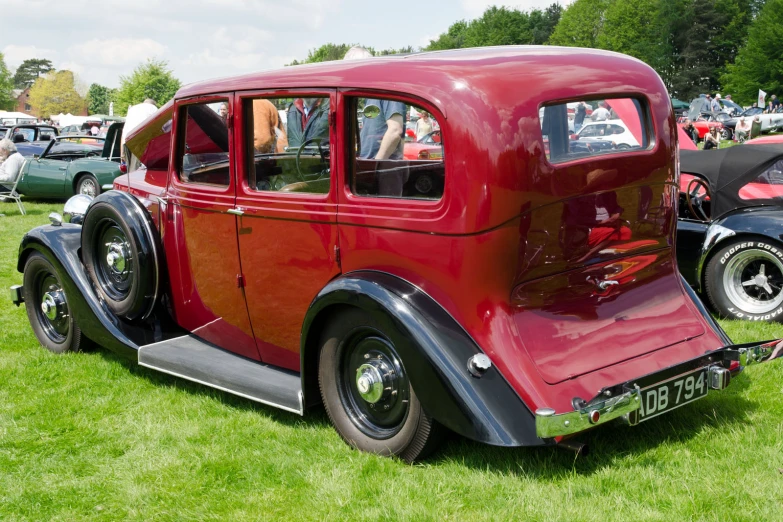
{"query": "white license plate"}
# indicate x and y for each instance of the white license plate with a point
(665, 396)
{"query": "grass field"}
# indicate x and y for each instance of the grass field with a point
(88, 436)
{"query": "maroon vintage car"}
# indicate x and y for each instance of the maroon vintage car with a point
(512, 293)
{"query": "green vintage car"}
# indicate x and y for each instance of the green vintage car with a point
(73, 165)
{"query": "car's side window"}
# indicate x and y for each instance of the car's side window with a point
(204, 143)
(586, 128)
(398, 151)
(288, 144)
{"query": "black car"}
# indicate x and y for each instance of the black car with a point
(30, 139)
(730, 229)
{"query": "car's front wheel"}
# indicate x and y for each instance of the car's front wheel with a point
(725, 134)
(47, 307)
(744, 280)
(88, 185)
(366, 391)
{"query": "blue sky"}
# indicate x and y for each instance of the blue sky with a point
(101, 39)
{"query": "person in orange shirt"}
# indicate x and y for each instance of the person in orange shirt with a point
(268, 132)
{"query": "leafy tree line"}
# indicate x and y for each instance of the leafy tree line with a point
(697, 46)
(53, 92)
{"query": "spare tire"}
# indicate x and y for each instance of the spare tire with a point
(120, 250)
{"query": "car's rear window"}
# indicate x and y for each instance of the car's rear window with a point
(585, 128)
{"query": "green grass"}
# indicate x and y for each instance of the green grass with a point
(89, 436)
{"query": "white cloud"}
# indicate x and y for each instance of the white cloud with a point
(16, 54)
(116, 51)
(475, 8)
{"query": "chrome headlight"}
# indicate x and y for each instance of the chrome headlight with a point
(75, 208)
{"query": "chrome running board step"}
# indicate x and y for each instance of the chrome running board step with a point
(199, 361)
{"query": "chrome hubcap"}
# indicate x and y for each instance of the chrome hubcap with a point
(116, 257)
(88, 188)
(369, 382)
(53, 305)
(754, 281)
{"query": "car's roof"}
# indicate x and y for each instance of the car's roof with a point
(420, 69)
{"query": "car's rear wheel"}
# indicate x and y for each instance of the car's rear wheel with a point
(88, 185)
(120, 254)
(744, 280)
(47, 307)
(726, 133)
(366, 391)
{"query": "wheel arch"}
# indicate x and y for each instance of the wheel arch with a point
(435, 351)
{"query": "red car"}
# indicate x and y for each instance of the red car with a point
(702, 125)
(428, 147)
(525, 296)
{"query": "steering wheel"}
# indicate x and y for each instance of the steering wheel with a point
(324, 155)
(93, 153)
(696, 200)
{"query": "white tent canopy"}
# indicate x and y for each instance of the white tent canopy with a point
(15, 118)
(63, 120)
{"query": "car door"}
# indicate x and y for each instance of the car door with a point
(45, 175)
(287, 199)
(201, 230)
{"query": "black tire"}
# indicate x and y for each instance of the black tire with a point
(744, 280)
(58, 334)
(88, 185)
(726, 133)
(116, 224)
(394, 425)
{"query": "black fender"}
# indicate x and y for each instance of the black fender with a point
(435, 350)
(765, 222)
(60, 245)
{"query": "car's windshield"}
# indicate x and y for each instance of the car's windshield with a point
(753, 111)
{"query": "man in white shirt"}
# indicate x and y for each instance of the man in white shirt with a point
(742, 129)
(601, 113)
(136, 115)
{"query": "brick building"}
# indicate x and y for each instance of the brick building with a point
(23, 101)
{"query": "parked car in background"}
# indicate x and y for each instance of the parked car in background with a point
(769, 122)
(612, 131)
(729, 241)
(531, 295)
(705, 121)
(67, 167)
(29, 139)
(73, 130)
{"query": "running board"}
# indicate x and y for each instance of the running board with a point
(196, 360)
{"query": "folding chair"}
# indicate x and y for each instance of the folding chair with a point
(6, 194)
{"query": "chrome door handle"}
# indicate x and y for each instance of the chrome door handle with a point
(603, 285)
(62, 168)
(236, 211)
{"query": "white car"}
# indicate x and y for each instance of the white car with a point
(769, 122)
(614, 131)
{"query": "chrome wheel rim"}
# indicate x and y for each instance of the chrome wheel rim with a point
(753, 280)
(52, 308)
(87, 187)
(372, 384)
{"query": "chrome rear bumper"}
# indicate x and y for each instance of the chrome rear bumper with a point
(624, 400)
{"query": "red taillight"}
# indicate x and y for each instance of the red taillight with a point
(734, 365)
(123, 168)
(424, 154)
(595, 416)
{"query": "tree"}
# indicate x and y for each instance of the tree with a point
(500, 26)
(31, 70)
(56, 93)
(758, 64)
(7, 100)
(152, 80)
(580, 24)
(453, 38)
(99, 98)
